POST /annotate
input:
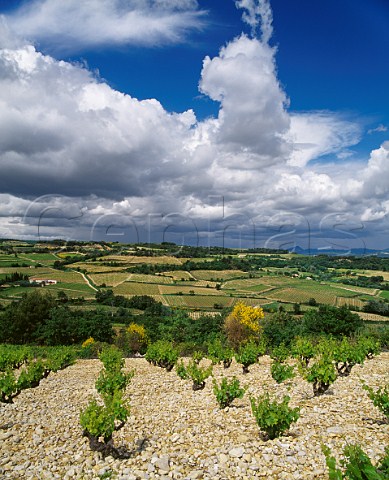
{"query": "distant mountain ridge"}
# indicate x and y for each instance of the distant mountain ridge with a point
(356, 252)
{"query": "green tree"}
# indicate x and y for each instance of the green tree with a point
(331, 320)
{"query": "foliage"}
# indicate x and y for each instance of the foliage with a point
(88, 342)
(273, 417)
(248, 355)
(281, 371)
(163, 354)
(356, 465)
(243, 324)
(281, 327)
(198, 374)
(380, 398)
(227, 391)
(280, 353)
(181, 370)
(136, 338)
(102, 420)
(331, 320)
(321, 374)
(303, 350)
(21, 319)
(346, 354)
(218, 352)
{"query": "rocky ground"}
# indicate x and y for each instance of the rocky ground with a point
(175, 432)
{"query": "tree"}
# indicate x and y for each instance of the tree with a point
(331, 320)
(20, 321)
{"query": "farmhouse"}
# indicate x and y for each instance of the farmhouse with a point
(43, 281)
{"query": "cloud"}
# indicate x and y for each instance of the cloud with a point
(252, 117)
(73, 26)
(258, 13)
(380, 128)
(314, 134)
(78, 157)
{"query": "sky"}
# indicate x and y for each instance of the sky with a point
(237, 123)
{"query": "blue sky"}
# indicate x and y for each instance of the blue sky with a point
(294, 126)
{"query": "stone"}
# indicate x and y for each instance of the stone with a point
(236, 452)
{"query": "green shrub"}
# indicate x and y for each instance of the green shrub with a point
(218, 352)
(321, 374)
(281, 371)
(198, 374)
(227, 391)
(181, 370)
(163, 354)
(303, 350)
(102, 420)
(280, 353)
(248, 355)
(346, 354)
(273, 417)
(356, 465)
(380, 398)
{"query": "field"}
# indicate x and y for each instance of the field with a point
(194, 289)
(174, 432)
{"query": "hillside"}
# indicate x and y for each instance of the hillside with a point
(178, 433)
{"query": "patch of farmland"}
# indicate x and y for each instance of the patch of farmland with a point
(321, 293)
(373, 317)
(199, 301)
(139, 277)
(251, 284)
(46, 258)
(384, 294)
(135, 288)
(27, 270)
(349, 302)
(356, 289)
(178, 275)
(110, 279)
(63, 277)
(129, 259)
(252, 302)
(72, 288)
(223, 275)
(174, 289)
(96, 268)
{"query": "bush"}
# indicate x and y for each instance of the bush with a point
(380, 398)
(198, 374)
(281, 372)
(227, 392)
(136, 338)
(272, 417)
(356, 465)
(321, 374)
(281, 327)
(181, 370)
(303, 350)
(163, 354)
(217, 352)
(248, 355)
(346, 354)
(243, 324)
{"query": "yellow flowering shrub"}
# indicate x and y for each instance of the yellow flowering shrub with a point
(249, 316)
(136, 337)
(243, 324)
(90, 341)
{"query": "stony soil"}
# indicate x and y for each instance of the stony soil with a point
(175, 432)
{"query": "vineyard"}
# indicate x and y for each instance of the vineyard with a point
(174, 431)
